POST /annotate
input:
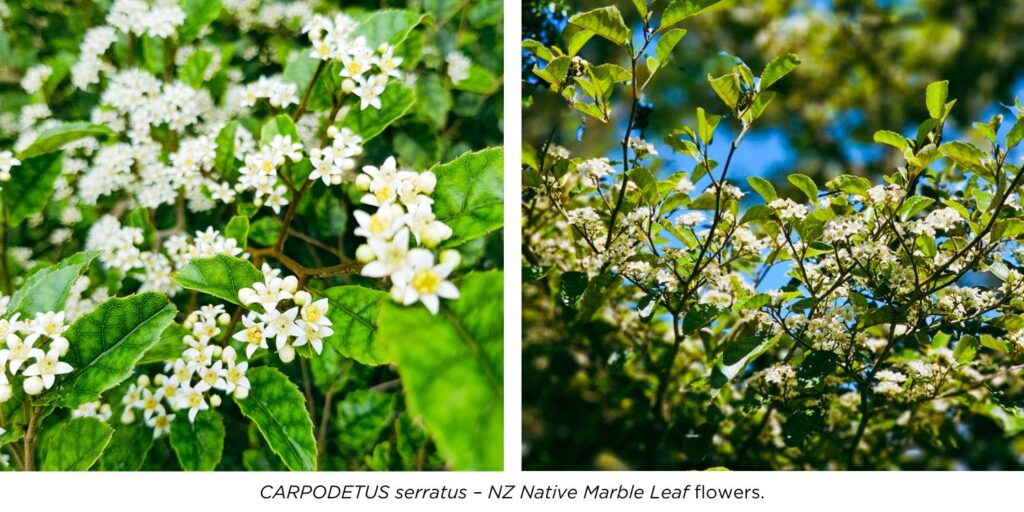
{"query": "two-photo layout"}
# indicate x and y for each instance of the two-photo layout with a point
(268, 235)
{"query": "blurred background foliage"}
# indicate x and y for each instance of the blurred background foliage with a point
(864, 66)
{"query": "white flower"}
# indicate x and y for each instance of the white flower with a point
(389, 256)
(161, 422)
(47, 366)
(458, 66)
(369, 91)
(7, 162)
(235, 381)
(252, 334)
(193, 400)
(423, 281)
(279, 325)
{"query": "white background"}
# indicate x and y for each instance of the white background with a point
(236, 492)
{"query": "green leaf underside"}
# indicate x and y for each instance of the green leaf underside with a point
(106, 344)
(469, 194)
(76, 444)
(354, 311)
(198, 445)
(452, 369)
(221, 276)
(128, 447)
(278, 409)
(31, 186)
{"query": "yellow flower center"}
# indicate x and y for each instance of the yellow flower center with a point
(378, 225)
(254, 335)
(426, 282)
(313, 313)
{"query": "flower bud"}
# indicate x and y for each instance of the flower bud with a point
(364, 254)
(215, 400)
(143, 381)
(128, 416)
(363, 182)
(61, 344)
(336, 179)
(241, 393)
(348, 85)
(332, 131)
(397, 294)
(224, 319)
(430, 235)
(246, 295)
(451, 258)
(33, 385)
(286, 353)
(425, 182)
(159, 379)
(290, 284)
(229, 354)
(5, 392)
(302, 298)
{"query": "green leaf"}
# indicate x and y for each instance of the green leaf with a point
(225, 162)
(806, 185)
(170, 346)
(727, 87)
(128, 447)
(763, 187)
(679, 10)
(107, 343)
(49, 288)
(936, 95)
(641, 7)
(278, 409)
(199, 14)
(891, 139)
(1016, 135)
(31, 186)
(666, 43)
(396, 101)
(390, 26)
(282, 125)
(238, 229)
(706, 125)
(571, 286)
(816, 365)
(76, 444)
(966, 349)
(193, 72)
(435, 101)
(221, 276)
(850, 184)
(480, 81)
(577, 41)
(606, 22)
(198, 445)
(53, 139)
(362, 417)
(699, 316)
(469, 194)
(966, 155)
(451, 366)
(914, 205)
(778, 68)
(354, 311)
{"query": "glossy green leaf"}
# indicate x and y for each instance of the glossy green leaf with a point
(53, 139)
(354, 311)
(778, 68)
(469, 194)
(806, 185)
(936, 95)
(170, 346)
(679, 10)
(199, 14)
(362, 417)
(107, 343)
(238, 229)
(31, 186)
(396, 101)
(128, 447)
(390, 26)
(278, 409)
(606, 22)
(49, 288)
(727, 87)
(221, 276)
(280, 125)
(198, 444)
(763, 187)
(451, 366)
(76, 444)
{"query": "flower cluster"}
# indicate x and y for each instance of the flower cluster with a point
(283, 314)
(331, 163)
(458, 66)
(260, 173)
(276, 91)
(404, 206)
(138, 17)
(366, 71)
(32, 348)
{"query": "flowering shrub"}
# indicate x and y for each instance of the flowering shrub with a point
(253, 235)
(711, 322)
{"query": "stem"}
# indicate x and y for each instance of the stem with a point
(5, 271)
(29, 455)
(301, 110)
